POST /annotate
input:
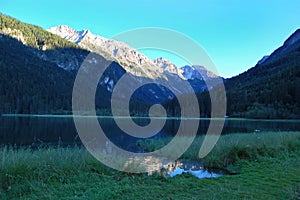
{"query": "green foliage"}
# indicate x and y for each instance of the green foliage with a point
(72, 173)
(233, 148)
(34, 36)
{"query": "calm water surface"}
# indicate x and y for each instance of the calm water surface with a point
(31, 130)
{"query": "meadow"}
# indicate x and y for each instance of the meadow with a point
(265, 166)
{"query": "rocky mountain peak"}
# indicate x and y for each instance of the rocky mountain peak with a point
(197, 72)
(69, 33)
(133, 61)
(167, 67)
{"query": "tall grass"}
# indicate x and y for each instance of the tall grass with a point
(232, 148)
(34, 168)
(72, 173)
(229, 147)
(240, 146)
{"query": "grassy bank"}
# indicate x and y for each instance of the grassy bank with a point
(268, 166)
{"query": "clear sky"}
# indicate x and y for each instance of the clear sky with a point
(235, 33)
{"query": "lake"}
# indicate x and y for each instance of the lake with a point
(34, 130)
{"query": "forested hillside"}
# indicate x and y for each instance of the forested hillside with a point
(45, 45)
(38, 69)
(271, 89)
(31, 35)
(29, 84)
(33, 64)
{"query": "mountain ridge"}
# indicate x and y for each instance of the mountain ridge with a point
(270, 89)
(132, 61)
(292, 39)
(122, 53)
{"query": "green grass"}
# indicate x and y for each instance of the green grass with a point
(268, 164)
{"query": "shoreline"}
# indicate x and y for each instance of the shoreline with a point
(142, 117)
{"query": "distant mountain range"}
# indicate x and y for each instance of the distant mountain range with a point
(133, 61)
(38, 69)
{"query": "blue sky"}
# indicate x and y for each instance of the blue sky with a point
(235, 33)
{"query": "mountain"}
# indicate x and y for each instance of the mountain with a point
(38, 70)
(289, 45)
(133, 61)
(168, 68)
(122, 53)
(197, 72)
(33, 65)
(28, 53)
(129, 58)
(43, 44)
(271, 89)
